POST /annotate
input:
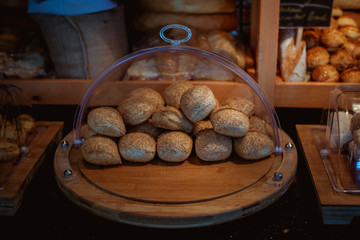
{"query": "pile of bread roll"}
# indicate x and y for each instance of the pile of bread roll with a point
(14, 133)
(333, 54)
(184, 118)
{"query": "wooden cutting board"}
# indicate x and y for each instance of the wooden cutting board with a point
(15, 176)
(160, 194)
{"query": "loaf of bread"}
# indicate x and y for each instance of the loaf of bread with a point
(137, 147)
(212, 146)
(106, 121)
(292, 59)
(100, 150)
(174, 146)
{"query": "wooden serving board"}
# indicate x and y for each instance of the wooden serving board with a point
(15, 176)
(174, 195)
(336, 207)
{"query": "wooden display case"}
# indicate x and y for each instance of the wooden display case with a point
(264, 42)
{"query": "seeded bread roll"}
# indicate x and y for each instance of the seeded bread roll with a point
(201, 125)
(172, 94)
(257, 124)
(149, 95)
(253, 146)
(171, 118)
(229, 121)
(106, 121)
(100, 150)
(174, 146)
(146, 127)
(9, 150)
(197, 102)
(137, 147)
(135, 110)
(242, 104)
(356, 136)
(212, 146)
(355, 122)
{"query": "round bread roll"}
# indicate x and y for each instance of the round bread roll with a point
(350, 31)
(353, 46)
(146, 127)
(136, 110)
(172, 94)
(201, 125)
(253, 146)
(9, 150)
(325, 73)
(212, 146)
(317, 56)
(100, 150)
(350, 76)
(242, 104)
(11, 132)
(87, 132)
(174, 146)
(149, 95)
(106, 121)
(197, 102)
(342, 60)
(185, 6)
(137, 147)
(257, 124)
(171, 118)
(336, 11)
(346, 21)
(229, 121)
(332, 39)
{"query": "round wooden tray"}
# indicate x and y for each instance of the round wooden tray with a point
(174, 195)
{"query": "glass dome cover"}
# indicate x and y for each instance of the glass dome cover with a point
(198, 66)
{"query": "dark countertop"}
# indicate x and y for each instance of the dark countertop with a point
(45, 212)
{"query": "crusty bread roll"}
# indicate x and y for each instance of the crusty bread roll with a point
(257, 124)
(27, 122)
(353, 46)
(106, 121)
(145, 69)
(240, 103)
(212, 146)
(332, 39)
(100, 150)
(172, 94)
(355, 122)
(356, 136)
(350, 76)
(197, 102)
(137, 147)
(317, 56)
(9, 150)
(253, 146)
(311, 38)
(171, 118)
(174, 146)
(350, 31)
(186, 6)
(325, 73)
(346, 21)
(336, 11)
(154, 21)
(229, 121)
(342, 60)
(147, 94)
(292, 59)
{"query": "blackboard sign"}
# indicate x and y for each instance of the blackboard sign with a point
(305, 13)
